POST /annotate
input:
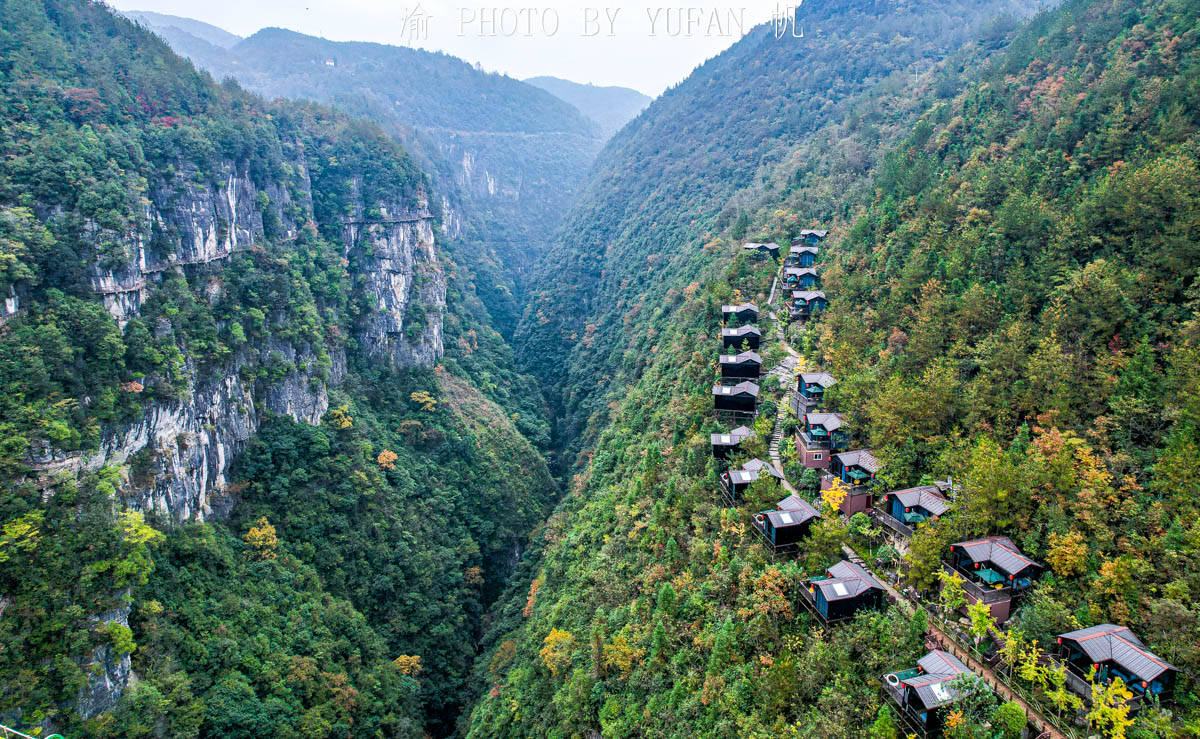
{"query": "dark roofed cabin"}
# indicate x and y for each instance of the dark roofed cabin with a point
(846, 589)
(923, 694)
(723, 444)
(735, 338)
(770, 249)
(739, 398)
(823, 435)
(1116, 652)
(744, 366)
(735, 482)
(811, 236)
(856, 469)
(808, 302)
(994, 571)
(741, 313)
(913, 506)
(810, 387)
(802, 256)
(803, 278)
(785, 527)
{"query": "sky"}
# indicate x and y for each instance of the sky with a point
(637, 44)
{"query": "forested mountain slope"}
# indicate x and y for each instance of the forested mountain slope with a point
(263, 462)
(1012, 302)
(610, 107)
(666, 181)
(508, 157)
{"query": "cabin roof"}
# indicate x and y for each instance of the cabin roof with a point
(800, 249)
(739, 308)
(756, 245)
(795, 503)
(938, 669)
(739, 477)
(757, 465)
(741, 331)
(799, 271)
(1117, 644)
(807, 294)
(742, 358)
(801, 514)
(742, 388)
(824, 379)
(830, 421)
(860, 458)
(925, 496)
(735, 436)
(999, 550)
(846, 580)
(818, 232)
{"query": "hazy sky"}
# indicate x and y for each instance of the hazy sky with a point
(635, 44)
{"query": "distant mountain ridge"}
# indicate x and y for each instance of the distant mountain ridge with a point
(610, 107)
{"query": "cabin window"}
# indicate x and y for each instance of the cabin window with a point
(818, 457)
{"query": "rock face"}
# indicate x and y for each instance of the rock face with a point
(178, 454)
(113, 672)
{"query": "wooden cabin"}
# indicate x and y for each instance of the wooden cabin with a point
(724, 444)
(924, 694)
(800, 278)
(786, 526)
(903, 510)
(846, 589)
(802, 256)
(811, 387)
(740, 314)
(769, 249)
(806, 303)
(857, 470)
(811, 236)
(739, 398)
(994, 572)
(744, 336)
(735, 482)
(823, 435)
(1115, 652)
(743, 366)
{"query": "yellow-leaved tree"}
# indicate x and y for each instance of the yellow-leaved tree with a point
(262, 540)
(556, 651)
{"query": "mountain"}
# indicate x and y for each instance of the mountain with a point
(610, 107)
(507, 156)
(1010, 269)
(265, 460)
(198, 30)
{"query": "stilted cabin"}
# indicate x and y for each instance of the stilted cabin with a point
(785, 527)
(856, 469)
(810, 389)
(735, 482)
(739, 398)
(903, 510)
(811, 236)
(800, 278)
(744, 366)
(724, 444)
(739, 314)
(1115, 652)
(802, 256)
(735, 338)
(994, 572)
(823, 435)
(807, 302)
(769, 249)
(846, 589)
(924, 694)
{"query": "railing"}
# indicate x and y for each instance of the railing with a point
(8, 732)
(912, 722)
(987, 595)
(887, 520)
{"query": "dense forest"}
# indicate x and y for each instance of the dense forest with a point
(1010, 277)
(261, 446)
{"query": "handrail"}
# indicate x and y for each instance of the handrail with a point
(9, 731)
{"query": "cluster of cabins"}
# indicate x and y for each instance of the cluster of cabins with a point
(992, 570)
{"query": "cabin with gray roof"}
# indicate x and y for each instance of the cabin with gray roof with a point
(810, 389)
(806, 303)
(782, 529)
(741, 313)
(724, 444)
(903, 510)
(770, 249)
(1115, 652)
(744, 366)
(802, 278)
(925, 693)
(822, 436)
(845, 590)
(994, 571)
(735, 482)
(741, 398)
(743, 336)
(802, 256)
